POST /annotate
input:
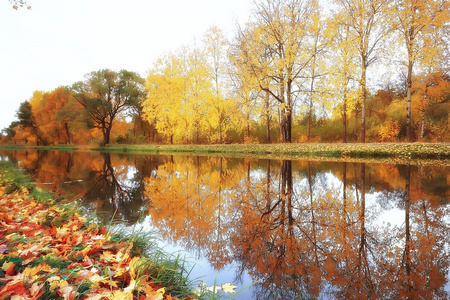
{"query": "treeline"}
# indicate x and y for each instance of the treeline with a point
(296, 72)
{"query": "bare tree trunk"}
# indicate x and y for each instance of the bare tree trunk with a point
(408, 102)
(344, 117)
(422, 125)
(363, 103)
(268, 117)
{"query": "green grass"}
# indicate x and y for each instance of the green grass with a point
(13, 179)
(57, 147)
(335, 150)
(413, 150)
(398, 153)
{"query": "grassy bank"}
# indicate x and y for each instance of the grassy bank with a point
(400, 153)
(397, 150)
(51, 250)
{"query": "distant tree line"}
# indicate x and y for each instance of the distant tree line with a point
(296, 72)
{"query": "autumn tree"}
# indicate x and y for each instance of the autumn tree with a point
(166, 90)
(366, 20)
(219, 101)
(251, 100)
(198, 91)
(273, 51)
(342, 78)
(430, 93)
(247, 102)
(414, 19)
(47, 107)
(320, 38)
(28, 125)
(105, 94)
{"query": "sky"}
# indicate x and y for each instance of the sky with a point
(57, 42)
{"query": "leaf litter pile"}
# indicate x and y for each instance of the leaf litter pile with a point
(48, 252)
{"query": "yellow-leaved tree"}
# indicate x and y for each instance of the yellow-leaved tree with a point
(367, 25)
(273, 51)
(165, 86)
(220, 102)
(416, 20)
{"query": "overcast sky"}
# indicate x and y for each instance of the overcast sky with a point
(57, 42)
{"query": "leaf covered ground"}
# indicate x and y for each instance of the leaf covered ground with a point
(50, 252)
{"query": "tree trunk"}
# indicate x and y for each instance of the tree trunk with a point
(268, 117)
(288, 113)
(309, 118)
(422, 124)
(344, 117)
(220, 132)
(408, 102)
(197, 134)
(106, 135)
(286, 124)
(66, 127)
(311, 91)
(363, 102)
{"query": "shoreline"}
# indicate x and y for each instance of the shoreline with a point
(399, 153)
(49, 249)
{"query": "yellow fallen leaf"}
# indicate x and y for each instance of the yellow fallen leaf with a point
(119, 295)
(228, 287)
(7, 265)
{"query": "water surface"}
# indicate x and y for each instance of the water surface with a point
(302, 229)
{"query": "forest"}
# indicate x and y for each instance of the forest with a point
(298, 71)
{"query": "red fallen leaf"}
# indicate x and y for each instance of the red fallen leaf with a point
(13, 288)
(87, 262)
(10, 271)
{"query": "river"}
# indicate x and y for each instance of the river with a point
(299, 229)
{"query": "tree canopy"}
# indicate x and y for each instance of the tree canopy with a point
(297, 71)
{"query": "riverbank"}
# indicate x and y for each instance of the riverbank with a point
(386, 153)
(51, 250)
(336, 150)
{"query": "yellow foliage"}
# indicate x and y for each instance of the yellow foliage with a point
(389, 130)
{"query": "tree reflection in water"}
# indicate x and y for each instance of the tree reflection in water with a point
(300, 233)
(304, 229)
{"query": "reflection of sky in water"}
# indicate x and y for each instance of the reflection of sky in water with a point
(201, 268)
(385, 217)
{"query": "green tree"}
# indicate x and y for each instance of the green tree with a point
(9, 132)
(105, 94)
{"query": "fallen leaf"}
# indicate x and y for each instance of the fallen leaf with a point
(228, 287)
